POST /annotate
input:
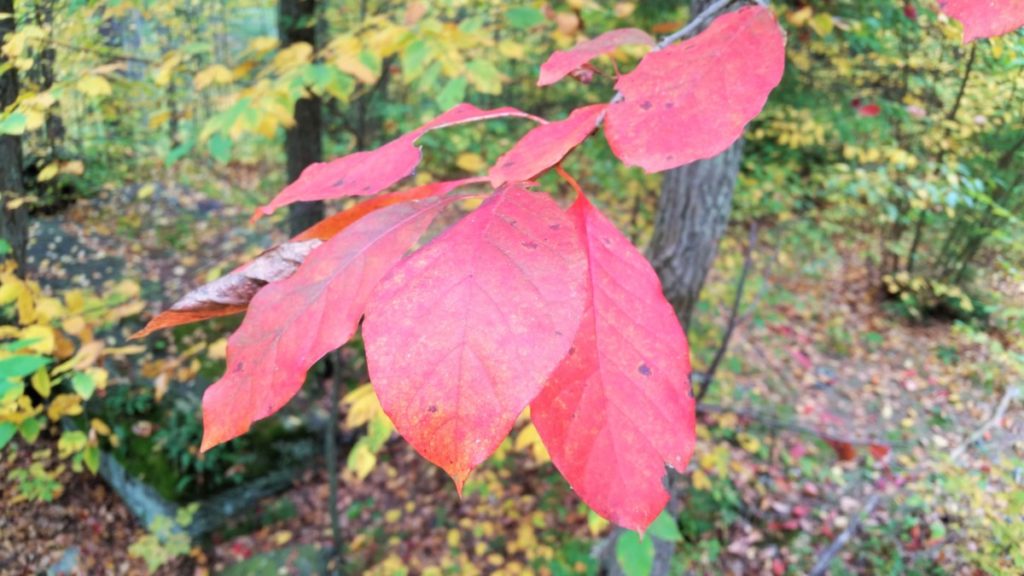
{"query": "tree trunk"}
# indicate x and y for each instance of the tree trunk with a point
(13, 222)
(693, 212)
(302, 142)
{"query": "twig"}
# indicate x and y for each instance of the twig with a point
(331, 453)
(695, 24)
(992, 422)
(826, 557)
(709, 375)
(771, 421)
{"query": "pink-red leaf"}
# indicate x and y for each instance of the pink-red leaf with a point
(692, 100)
(619, 407)
(231, 293)
(461, 336)
(293, 323)
(545, 146)
(985, 18)
(366, 173)
(564, 62)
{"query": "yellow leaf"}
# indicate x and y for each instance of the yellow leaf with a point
(41, 383)
(159, 119)
(34, 119)
(596, 524)
(163, 75)
(701, 480)
(218, 350)
(263, 44)
(11, 289)
(530, 438)
(471, 162)
(93, 85)
(100, 427)
(49, 172)
(511, 50)
(362, 406)
(748, 442)
(822, 24)
(64, 405)
(361, 460)
(216, 74)
(44, 337)
(624, 9)
(801, 16)
(74, 168)
(292, 57)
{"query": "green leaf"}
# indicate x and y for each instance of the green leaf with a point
(19, 344)
(484, 76)
(7, 431)
(21, 365)
(5, 247)
(31, 428)
(179, 151)
(635, 556)
(13, 124)
(665, 527)
(10, 390)
(83, 385)
(220, 147)
(414, 59)
(524, 17)
(91, 457)
(453, 93)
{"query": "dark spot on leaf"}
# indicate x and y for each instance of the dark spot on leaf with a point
(366, 188)
(644, 369)
(340, 183)
(509, 163)
(432, 409)
(558, 332)
(529, 244)
(572, 351)
(555, 226)
(669, 105)
(646, 105)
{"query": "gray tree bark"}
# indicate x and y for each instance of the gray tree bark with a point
(693, 211)
(13, 222)
(302, 142)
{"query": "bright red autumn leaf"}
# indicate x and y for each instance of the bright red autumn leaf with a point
(230, 294)
(869, 110)
(293, 323)
(564, 62)
(545, 146)
(985, 18)
(619, 407)
(462, 335)
(693, 99)
(367, 173)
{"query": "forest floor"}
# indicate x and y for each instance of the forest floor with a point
(825, 401)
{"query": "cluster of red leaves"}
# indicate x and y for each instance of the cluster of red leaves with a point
(518, 304)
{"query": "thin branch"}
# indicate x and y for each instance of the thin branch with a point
(992, 422)
(963, 84)
(826, 557)
(709, 376)
(775, 423)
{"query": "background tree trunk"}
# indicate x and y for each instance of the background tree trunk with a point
(13, 223)
(693, 211)
(302, 142)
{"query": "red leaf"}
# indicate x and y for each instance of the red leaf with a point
(619, 407)
(564, 62)
(231, 293)
(545, 146)
(366, 173)
(692, 100)
(985, 18)
(293, 323)
(462, 335)
(869, 110)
